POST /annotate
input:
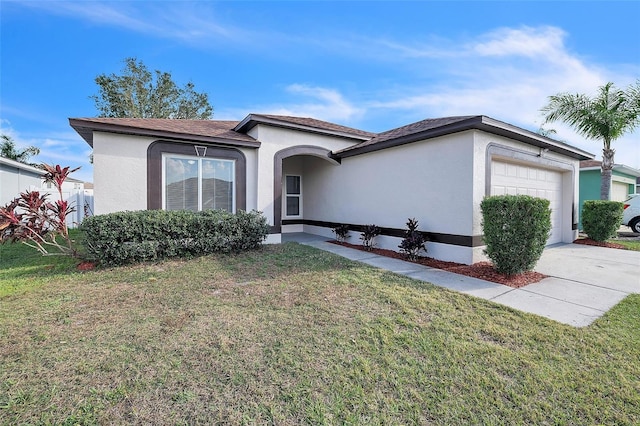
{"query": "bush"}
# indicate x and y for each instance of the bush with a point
(35, 221)
(414, 241)
(601, 219)
(516, 229)
(342, 232)
(369, 232)
(125, 237)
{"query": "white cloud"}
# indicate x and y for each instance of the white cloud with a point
(530, 42)
(319, 102)
(189, 22)
(508, 74)
(327, 104)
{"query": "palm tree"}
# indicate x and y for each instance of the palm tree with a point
(8, 150)
(606, 117)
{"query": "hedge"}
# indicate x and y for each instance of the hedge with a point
(516, 229)
(126, 237)
(601, 218)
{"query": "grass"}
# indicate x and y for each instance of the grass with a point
(292, 335)
(629, 244)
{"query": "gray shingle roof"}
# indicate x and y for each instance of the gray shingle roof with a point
(302, 123)
(435, 127)
(234, 133)
(409, 130)
(199, 130)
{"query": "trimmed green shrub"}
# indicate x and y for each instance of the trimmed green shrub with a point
(126, 237)
(516, 229)
(601, 218)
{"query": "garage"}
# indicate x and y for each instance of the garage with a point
(522, 179)
(619, 191)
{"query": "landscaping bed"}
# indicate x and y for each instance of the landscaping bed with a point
(590, 242)
(481, 270)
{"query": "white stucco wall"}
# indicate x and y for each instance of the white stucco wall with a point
(119, 172)
(251, 156)
(430, 180)
(274, 139)
(394, 184)
(440, 182)
(14, 180)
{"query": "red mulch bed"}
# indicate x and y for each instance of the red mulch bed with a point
(481, 270)
(590, 242)
(86, 266)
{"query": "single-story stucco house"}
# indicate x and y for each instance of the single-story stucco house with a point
(310, 175)
(623, 182)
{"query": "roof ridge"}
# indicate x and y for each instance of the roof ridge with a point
(300, 123)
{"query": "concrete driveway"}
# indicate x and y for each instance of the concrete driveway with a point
(584, 282)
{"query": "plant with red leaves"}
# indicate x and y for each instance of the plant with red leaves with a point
(36, 222)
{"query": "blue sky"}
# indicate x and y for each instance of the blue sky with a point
(369, 65)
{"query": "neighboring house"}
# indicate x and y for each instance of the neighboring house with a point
(623, 182)
(16, 177)
(310, 175)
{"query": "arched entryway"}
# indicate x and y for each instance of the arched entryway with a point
(289, 181)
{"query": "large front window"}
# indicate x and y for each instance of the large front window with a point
(198, 183)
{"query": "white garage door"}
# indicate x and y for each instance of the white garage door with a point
(619, 191)
(518, 179)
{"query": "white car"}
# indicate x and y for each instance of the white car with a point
(631, 216)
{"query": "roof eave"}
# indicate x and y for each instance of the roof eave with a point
(479, 122)
(448, 129)
(507, 130)
(626, 170)
(85, 130)
(12, 163)
(252, 120)
(589, 169)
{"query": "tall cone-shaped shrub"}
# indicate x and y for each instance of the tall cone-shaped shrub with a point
(516, 229)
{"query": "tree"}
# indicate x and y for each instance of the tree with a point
(137, 94)
(547, 133)
(606, 117)
(8, 150)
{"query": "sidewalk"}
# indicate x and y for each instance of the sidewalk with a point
(584, 282)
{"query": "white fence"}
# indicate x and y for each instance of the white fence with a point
(80, 199)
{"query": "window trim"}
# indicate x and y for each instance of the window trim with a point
(199, 159)
(154, 169)
(287, 195)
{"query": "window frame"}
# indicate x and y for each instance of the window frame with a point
(287, 195)
(199, 159)
(154, 167)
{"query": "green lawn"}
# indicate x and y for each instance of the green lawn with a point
(629, 244)
(293, 335)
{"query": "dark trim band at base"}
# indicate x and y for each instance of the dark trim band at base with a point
(434, 237)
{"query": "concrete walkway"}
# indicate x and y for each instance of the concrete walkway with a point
(584, 281)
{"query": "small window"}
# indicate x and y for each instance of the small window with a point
(293, 194)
